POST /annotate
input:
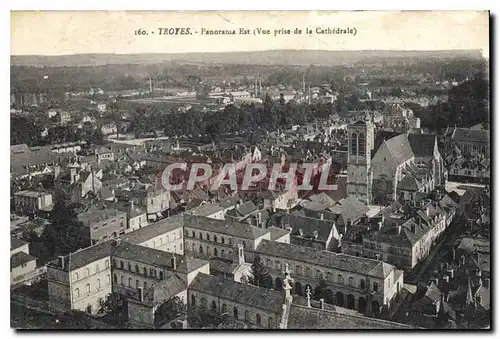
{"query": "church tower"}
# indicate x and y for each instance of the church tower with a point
(359, 173)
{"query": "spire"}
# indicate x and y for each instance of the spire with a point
(469, 300)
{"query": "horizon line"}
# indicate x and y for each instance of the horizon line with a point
(258, 51)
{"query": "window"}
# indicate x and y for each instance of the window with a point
(192, 247)
(375, 287)
(224, 308)
(122, 280)
(308, 271)
(230, 241)
(270, 322)
(235, 312)
(215, 252)
(75, 276)
(137, 268)
(115, 278)
(340, 279)
(129, 282)
(77, 293)
(247, 315)
(362, 283)
(201, 236)
(87, 272)
(101, 302)
(208, 250)
(319, 275)
(257, 319)
(145, 271)
(354, 144)
(106, 264)
(129, 266)
(351, 281)
(152, 201)
(137, 283)
(329, 276)
(87, 288)
(222, 240)
(214, 305)
(222, 253)
(278, 264)
(193, 234)
(161, 275)
(361, 144)
(298, 269)
(168, 239)
(109, 279)
(215, 238)
(193, 300)
(145, 285)
(121, 264)
(175, 249)
(201, 249)
(208, 237)
(152, 272)
(98, 283)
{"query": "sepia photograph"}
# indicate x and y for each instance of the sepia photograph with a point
(250, 170)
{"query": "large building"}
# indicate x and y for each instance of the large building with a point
(400, 166)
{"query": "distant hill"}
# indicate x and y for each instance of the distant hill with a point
(277, 57)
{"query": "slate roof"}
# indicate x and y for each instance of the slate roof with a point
(16, 243)
(85, 256)
(472, 135)
(205, 210)
(309, 226)
(350, 208)
(143, 254)
(277, 233)
(94, 215)
(243, 294)
(326, 259)
(19, 258)
(409, 183)
(153, 230)
(474, 244)
(400, 148)
(422, 144)
(229, 227)
(301, 317)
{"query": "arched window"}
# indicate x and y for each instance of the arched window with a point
(257, 319)
(201, 248)
(270, 322)
(224, 308)
(129, 266)
(106, 264)
(137, 268)
(145, 271)
(222, 253)
(351, 281)
(87, 288)
(214, 305)
(75, 276)
(168, 239)
(122, 280)
(362, 283)
(137, 283)
(354, 144)
(98, 283)
(247, 315)
(215, 238)
(193, 234)
(230, 241)
(201, 236)
(362, 144)
(340, 279)
(115, 278)
(215, 252)
(308, 271)
(77, 293)
(129, 282)
(121, 264)
(87, 272)
(278, 264)
(208, 237)
(109, 279)
(375, 287)
(175, 249)
(222, 240)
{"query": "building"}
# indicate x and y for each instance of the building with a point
(362, 284)
(100, 224)
(21, 262)
(468, 140)
(31, 202)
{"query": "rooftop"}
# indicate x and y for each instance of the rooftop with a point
(153, 230)
(229, 227)
(205, 210)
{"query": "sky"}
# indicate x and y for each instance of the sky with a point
(82, 32)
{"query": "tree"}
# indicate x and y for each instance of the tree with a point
(321, 292)
(63, 235)
(170, 310)
(261, 276)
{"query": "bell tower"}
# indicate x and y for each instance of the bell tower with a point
(360, 147)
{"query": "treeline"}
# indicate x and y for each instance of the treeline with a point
(468, 104)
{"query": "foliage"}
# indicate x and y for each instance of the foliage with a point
(171, 309)
(321, 292)
(261, 276)
(204, 319)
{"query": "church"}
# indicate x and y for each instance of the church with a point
(399, 168)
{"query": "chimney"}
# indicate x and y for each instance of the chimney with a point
(61, 261)
(322, 216)
(453, 254)
(315, 233)
(322, 303)
(380, 225)
(377, 256)
(141, 294)
(478, 273)
(399, 229)
(301, 232)
(241, 254)
(173, 262)
(446, 278)
(436, 281)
